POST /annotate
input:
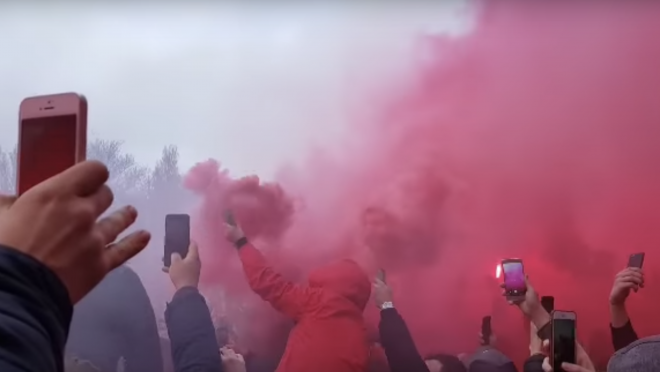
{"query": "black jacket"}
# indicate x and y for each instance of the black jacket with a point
(115, 320)
(623, 336)
(534, 363)
(192, 336)
(35, 312)
(400, 349)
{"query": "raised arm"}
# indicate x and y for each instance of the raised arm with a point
(621, 328)
(288, 298)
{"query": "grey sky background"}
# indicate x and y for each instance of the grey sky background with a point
(253, 86)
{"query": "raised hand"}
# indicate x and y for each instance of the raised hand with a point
(56, 223)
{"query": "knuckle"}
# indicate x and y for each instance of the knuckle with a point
(83, 214)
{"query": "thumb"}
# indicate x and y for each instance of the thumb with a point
(193, 252)
(569, 367)
(175, 258)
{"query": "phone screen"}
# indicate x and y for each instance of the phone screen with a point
(563, 342)
(177, 236)
(514, 278)
(48, 147)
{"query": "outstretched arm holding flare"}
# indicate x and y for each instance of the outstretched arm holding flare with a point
(289, 298)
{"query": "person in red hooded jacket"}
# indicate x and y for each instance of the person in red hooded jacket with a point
(330, 334)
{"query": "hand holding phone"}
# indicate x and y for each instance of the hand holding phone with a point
(177, 236)
(636, 260)
(563, 341)
(515, 283)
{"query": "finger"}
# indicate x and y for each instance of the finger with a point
(630, 279)
(118, 253)
(546, 365)
(102, 199)
(528, 284)
(111, 226)
(82, 179)
(193, 252)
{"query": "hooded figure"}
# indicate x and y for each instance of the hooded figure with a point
(330, 334)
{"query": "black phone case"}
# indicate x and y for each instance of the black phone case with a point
(548, 303)
(636, 260)
(177, 236)
(486, 329)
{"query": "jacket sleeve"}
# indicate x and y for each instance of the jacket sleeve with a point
(35, 312)
(623, 336)
(192, 336)
(534, 363)
(286, 297)
(400, 349)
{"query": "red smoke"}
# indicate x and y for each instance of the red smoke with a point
(534, 136)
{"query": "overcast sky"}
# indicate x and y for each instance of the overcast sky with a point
(253, 86)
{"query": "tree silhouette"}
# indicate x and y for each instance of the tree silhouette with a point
(126, 176)
(8, 170)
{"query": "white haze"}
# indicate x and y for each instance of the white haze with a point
(221, 81)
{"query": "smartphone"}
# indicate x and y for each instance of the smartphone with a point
(381, 275)
(486, 330)
(52, 137)
(636, 260)
(177, 236)
(548, 303)
(563, 338)
(514, 278)
(229, 218)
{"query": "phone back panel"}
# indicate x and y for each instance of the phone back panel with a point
(177, 236)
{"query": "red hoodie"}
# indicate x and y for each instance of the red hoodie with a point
(330, 335)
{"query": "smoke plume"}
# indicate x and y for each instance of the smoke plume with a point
(533, 136)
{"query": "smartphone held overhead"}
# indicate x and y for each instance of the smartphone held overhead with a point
(486, 329)
(563, 338)
(548, 303)
(177, 236)
(52, 137)
(515, 284)
(636, 260)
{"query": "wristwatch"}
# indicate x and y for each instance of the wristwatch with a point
(387, 305)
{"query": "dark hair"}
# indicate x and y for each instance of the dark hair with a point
(450, 363)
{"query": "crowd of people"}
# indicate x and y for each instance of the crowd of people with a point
(59, 249)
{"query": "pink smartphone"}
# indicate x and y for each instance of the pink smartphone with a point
(52, 137)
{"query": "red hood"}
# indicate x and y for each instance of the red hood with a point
(345, 277)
